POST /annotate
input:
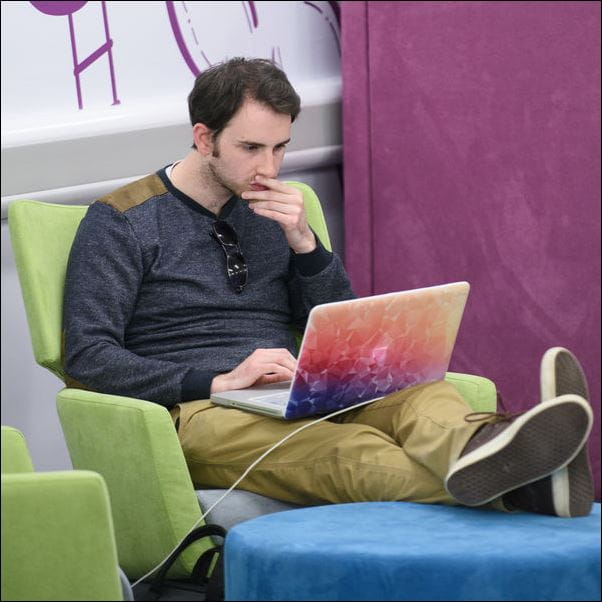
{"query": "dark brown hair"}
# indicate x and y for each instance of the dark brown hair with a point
(220, 91)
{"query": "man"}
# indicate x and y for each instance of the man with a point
(187, 282)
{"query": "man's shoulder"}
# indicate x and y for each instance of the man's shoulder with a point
(135, 193)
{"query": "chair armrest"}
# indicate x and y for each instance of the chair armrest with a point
(479, 392)
(15, 455)
(134, 446)
(57, 538)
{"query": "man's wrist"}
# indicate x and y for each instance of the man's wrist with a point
(307, 245)
(314, 262)
(219, 383)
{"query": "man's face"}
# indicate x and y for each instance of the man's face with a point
(253, 143)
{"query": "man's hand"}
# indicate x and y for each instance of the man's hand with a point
(283, 204)
(262, 367)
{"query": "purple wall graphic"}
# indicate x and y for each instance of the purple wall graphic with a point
(251, 13)
(61, 9)
(335, 27)
(189, 42)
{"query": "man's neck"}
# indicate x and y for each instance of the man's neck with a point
(192, 178)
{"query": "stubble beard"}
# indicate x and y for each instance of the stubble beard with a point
(221, 181)
(218, 179)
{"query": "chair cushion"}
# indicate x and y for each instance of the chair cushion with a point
(238, 506)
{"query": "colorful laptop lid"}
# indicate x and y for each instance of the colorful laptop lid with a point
(366, 348)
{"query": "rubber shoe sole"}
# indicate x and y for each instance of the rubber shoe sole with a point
(561, 374)
(571, 488)
(534, 445)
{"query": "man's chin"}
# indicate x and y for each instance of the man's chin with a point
(232, 189)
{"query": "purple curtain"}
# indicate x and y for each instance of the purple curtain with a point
(472, 152)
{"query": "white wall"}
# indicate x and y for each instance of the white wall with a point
(55, 151)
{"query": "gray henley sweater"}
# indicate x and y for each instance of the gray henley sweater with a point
(148, 309)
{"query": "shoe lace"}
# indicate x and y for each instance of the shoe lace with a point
(501, 416)
(504, 416)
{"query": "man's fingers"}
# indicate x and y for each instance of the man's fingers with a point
(274, 184)
(274, 202)
(272, 374)
(274, 352)
(288, 362)
(284, 219)
(265, 195)
(281, 207)
(284, 358)
(266, 359)
(277, 369)
(267, 379)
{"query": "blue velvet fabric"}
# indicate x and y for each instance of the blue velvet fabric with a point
(405, 551)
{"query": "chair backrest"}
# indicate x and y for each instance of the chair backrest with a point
(42, 235)
(57, 531)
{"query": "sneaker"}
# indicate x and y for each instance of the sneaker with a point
(513, 450)
(568, 491)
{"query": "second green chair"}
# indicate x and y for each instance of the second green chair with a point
(57, 532)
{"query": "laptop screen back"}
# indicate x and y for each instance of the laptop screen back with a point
(357, 350)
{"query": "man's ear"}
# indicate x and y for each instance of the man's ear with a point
(203, 138)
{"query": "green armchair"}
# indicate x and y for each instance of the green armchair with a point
(132, 443)
(57, 531)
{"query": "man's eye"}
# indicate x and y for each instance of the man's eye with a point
(251, 147)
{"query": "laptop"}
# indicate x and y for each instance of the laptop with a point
(363, 349)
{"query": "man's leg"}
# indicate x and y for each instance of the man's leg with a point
(418, 446)
(327, 462)
(427, 421)
(481, 457)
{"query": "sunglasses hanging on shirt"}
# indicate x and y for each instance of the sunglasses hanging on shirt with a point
(236, 266)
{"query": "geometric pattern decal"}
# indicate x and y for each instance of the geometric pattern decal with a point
(387, 343)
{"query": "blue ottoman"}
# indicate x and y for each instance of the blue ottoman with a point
(404, 551)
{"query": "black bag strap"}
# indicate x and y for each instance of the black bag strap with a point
(201, 568)
(200, 572)
(215, 585)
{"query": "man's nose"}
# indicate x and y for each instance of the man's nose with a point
(268, 167)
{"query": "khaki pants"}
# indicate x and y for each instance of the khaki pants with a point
(398, 448)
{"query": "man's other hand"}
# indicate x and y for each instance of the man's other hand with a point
(262, 367)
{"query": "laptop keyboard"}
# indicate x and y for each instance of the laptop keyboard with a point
(276, 399)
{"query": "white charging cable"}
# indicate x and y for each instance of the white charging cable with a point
(246, 472)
